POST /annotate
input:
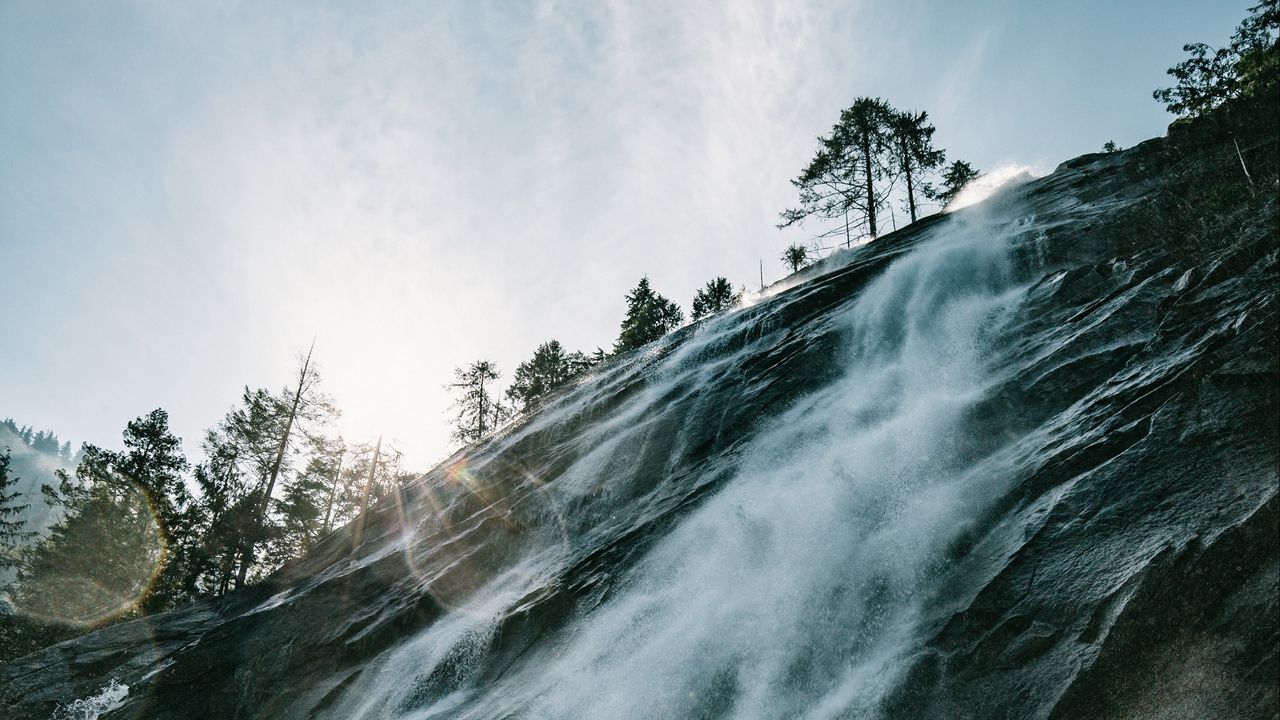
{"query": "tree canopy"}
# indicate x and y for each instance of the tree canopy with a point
(549, 368)
(716, 296)
(477, 410)
(1248, 66)
(649, 317)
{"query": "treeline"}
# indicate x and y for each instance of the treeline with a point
(479, 407)
(144, 529)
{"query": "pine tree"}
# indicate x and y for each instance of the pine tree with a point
(913, 151)
(99, 562)
(846, 174)
(954, 179)
(716, 296)
(302, 508)
(549, 368)
(154, 460)
(12, 523)
(649, 317)
(478, 411)
(297, 406)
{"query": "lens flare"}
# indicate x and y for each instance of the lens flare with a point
(476, 526)
(100, 563)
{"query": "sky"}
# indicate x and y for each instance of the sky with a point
(191, 193)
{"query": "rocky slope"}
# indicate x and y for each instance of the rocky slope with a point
(1019, 460)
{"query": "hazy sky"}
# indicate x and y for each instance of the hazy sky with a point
(190, 192)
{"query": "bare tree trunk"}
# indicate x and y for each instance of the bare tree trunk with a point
(246, 558)
(368, 487)
(333, 490)
(871, 194)
(906, 169)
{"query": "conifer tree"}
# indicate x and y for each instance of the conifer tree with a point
(549, 368)
(13, 531)
(153, 459)
(478, 410)
(99, 561)
(954, 179)
(913, 151)
(649, 317)
(716, 296)
(303, 506)
(846, 176)
(298, 406)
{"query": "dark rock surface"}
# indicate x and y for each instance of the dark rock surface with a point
(1125, 564)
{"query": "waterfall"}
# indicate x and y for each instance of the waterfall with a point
(794, 590)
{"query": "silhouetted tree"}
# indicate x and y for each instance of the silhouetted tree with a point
(1110, 146)
(549, 368)
(954, 179)
(796, 256)
(302, 508)
(913, 151)
(1249, 65)
(649, 317)
(716, 296)
(153, 459)
(121, 547)
(478, 410)
(302, 403)
(843, 176)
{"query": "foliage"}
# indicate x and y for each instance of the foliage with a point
(12, 524)
(649, 317)
(478, 410)
(716, 296)
(796, 256)
(1110, 147)
(913, 152)
(1248, 66)
(845, 175)
(954, 179)
(549, 368)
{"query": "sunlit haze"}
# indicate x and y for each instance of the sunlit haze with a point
(190, 193)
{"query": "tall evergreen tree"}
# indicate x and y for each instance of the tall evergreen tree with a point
(297, 406)
(549, 368)
(303, 505)
(13, 532)
(954, 179)
(649, 317)
(153, 459)
(847, 173)
(99, 561)
(239, 453)
(478, 410)
(716, 296)
(913, 151)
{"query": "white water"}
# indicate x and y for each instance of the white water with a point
(795, 590)
(111, 697)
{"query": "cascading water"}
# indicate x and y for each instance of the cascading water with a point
(963, 471)
(792, 591)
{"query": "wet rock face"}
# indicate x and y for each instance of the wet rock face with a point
(1015, 461)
